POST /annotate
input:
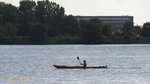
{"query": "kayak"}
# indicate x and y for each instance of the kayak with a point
(78, 67)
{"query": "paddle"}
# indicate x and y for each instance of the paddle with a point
(79, 60)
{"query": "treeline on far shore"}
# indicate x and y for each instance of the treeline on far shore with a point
(45, 22)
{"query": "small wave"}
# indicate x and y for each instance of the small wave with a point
(125, 68)
(8, 62)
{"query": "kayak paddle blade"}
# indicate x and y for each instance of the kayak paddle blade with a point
(78, 58)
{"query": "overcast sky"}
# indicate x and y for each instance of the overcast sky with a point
(140, 9)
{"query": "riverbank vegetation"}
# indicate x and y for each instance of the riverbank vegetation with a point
(45, 22)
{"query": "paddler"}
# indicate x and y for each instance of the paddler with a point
(84, 63)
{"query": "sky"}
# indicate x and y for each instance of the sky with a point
(140, 9)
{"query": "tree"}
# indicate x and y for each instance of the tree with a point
(9, 30)
(70, 26)
(27, 16)
(8, 13)
(27, 11)
(55, 13)
(146, 29)
(128, 29)
(92, 33)
(38, 33)
(49, 12)
(137, 30)
(107, 30)
(41, 11)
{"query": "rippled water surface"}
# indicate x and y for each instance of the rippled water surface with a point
(128, 64)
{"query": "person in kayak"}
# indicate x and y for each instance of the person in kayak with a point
(84, 63)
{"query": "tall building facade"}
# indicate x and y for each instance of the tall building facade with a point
(116, 22)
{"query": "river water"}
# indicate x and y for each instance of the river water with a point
(33, 64)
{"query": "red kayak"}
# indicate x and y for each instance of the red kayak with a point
(77, 67)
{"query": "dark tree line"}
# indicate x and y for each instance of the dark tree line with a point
(45, 22)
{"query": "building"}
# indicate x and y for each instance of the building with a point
(116, 22)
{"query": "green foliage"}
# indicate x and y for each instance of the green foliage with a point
(137, 30)
(128, 29)
(9, 30)
(27, 11)
(107, 30)
(8, 33)
(38, 33)
(49, 12)
(118, 34)
(70, 26)
(146, 29)
(52, 14)
(8, 13)
(65, 39)
(92, 32)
